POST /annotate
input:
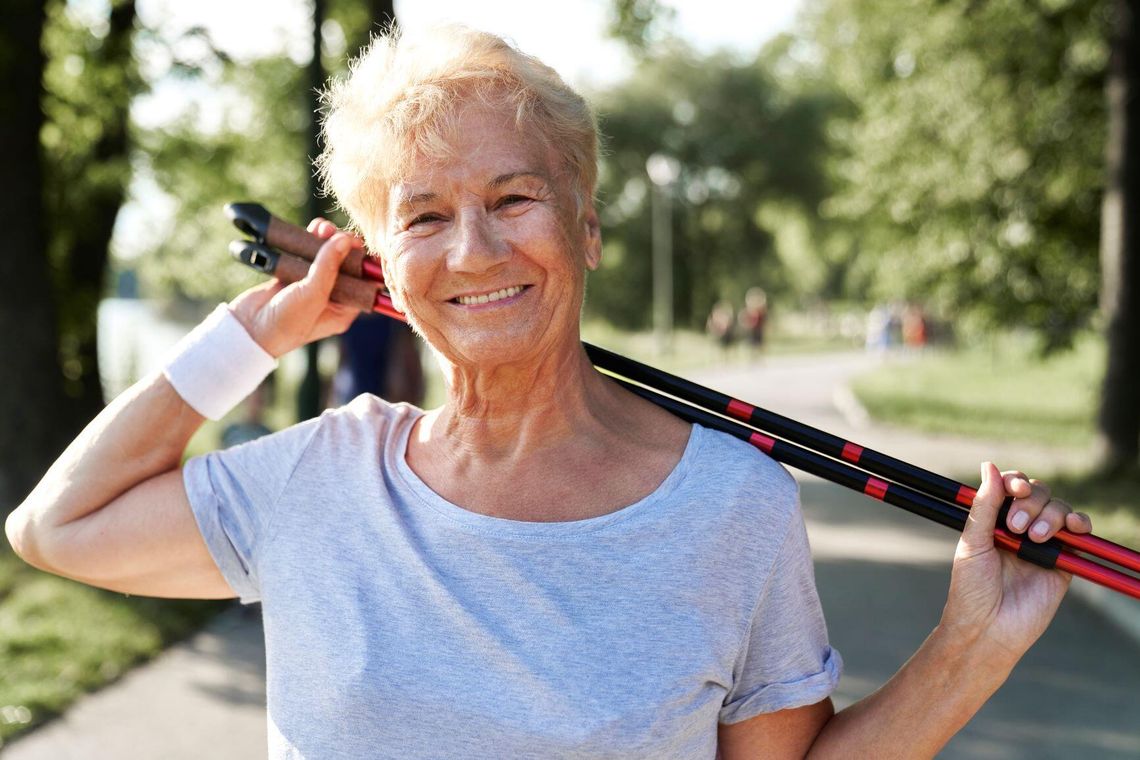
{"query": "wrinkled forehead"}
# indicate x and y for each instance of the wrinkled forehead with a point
(481, 146)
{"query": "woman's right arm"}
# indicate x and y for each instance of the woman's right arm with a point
(113, 511)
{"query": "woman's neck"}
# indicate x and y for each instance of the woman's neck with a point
(556, 442)
(502, 411)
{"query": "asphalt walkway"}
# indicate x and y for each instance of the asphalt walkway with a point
(882, 576)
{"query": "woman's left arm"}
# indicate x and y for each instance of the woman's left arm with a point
(997, 607)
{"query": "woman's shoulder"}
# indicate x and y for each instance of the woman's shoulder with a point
(368, 411)
(744, 481)
(361, 424)
(738, 463)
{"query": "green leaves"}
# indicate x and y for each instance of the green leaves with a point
(971, 169)
(255, 151)
(743, 140)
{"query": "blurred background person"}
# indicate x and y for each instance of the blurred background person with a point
(753, 318)
(913, 328)
(721, 324)
(380, 356)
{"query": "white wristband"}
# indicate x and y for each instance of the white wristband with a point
(217, 365)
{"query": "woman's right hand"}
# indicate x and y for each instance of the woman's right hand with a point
(283, 317)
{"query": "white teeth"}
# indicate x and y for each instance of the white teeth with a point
(498, 295)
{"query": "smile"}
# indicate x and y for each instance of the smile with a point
(498, 295)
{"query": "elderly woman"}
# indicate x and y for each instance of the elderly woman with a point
(546, 566)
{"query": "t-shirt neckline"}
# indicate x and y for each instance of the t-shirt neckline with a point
(487, 524)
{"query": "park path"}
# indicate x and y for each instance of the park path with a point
(882, 577)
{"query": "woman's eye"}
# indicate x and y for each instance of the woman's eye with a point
(424, 219)
(511, 200)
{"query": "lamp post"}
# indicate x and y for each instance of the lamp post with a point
(663, 171)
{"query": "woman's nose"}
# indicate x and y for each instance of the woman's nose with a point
(477, 247)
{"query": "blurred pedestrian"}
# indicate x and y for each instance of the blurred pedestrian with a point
(721, 324)
(913, 328)
(878, 330)
(753, 318)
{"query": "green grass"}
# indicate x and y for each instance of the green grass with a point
(1005, 393)
(60, 639)
(1113, 505)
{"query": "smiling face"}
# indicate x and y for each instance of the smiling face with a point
(484, 249)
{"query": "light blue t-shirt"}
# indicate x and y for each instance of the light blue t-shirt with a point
(400, 625)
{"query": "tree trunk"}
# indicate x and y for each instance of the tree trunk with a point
(310, 393)
(32, 407)
(89, 251)
(1119, 418)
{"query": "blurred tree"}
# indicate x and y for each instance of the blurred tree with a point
(360, 20)
(752, 155)
(640, 24)
(90, 80)
(1119, 418)
(259, 148)
(381, 15)
(67, 172)
(310, 394)
(969, 175)
(29, 339)
(254, 145)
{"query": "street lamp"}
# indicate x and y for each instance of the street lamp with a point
(663, 171)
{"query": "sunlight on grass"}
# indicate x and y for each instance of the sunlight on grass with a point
(1000, 394)
(1008, 393)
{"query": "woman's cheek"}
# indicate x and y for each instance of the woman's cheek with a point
(410, 282)
(394, 279)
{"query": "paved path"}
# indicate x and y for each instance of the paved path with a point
(882, 577)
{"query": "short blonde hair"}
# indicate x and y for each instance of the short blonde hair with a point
(404, 94)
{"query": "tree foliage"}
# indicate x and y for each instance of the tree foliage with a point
(970, 172)
(253, 148)
(640, 24)
(751, 152)
(252, 144)
(90, 78)
(1118, 420)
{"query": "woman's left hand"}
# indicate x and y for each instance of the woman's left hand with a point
(997, 600)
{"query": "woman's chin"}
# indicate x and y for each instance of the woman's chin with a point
(489, 349)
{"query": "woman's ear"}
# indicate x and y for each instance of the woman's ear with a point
(593, 239)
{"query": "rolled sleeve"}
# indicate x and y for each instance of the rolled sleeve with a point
(785, 660)
(233, 494)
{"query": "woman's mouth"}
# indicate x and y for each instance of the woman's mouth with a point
(482, 298)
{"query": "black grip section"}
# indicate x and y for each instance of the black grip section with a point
(250, 218)
(1003, 513)
(261, 257)
(1043, 555)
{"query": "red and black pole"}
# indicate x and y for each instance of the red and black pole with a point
(873, 461)
(1049, 554)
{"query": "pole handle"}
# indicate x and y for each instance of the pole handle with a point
(255, 220)
(350, 291)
